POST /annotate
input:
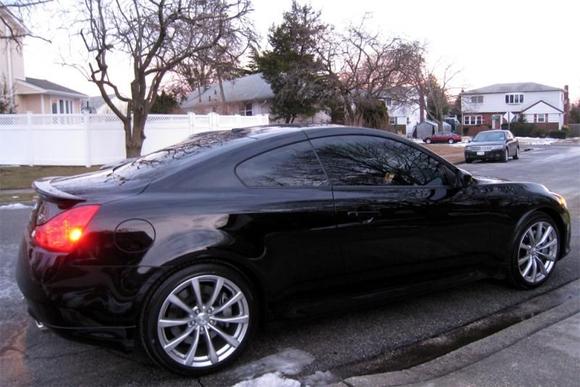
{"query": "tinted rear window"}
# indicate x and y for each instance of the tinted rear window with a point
(170, 159)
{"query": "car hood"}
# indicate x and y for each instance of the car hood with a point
(529, 186)
(485, 143)
(489, 180)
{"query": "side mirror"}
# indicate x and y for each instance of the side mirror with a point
(465, 178)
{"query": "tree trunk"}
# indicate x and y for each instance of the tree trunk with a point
(137, 134)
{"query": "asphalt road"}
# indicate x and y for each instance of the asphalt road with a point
(317, 351)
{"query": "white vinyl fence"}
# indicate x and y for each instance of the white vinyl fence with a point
(94, 139)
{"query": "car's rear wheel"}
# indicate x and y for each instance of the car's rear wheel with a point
(451, 141)
(535, 253)
(517, 154)
(468, 160)
(198, 320)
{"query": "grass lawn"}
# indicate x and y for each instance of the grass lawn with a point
(453, 154)
(22, 177)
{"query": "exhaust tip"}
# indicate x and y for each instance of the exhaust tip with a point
(39, 325)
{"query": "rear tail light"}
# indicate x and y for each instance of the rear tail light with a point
(66, 230)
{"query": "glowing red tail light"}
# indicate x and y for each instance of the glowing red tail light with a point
(64, 232)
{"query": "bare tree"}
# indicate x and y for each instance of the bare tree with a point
(157, 35)
(216, 64)
(437, 91)
(366, 66)
(12, 14)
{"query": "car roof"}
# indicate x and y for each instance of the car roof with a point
(310, 130)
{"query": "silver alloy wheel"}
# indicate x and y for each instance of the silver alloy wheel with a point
(203, 321)
(451, 141)
(537, 252)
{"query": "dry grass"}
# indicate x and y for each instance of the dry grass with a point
(21, 177)
(453, 154)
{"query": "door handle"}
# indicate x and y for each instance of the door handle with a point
(365, 217)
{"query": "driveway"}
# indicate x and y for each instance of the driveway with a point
(315, 351)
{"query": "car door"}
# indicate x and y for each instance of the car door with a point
(294, 221)
(397, 212)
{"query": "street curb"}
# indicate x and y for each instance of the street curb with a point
(473, 352)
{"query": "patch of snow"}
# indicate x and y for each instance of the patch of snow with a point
(275, 379)
(8, 288)
(537, 140)
(288, 362)
(14, 206)
(320, 378)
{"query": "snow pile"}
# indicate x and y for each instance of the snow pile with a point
(14, 206)
(289, 362)
(537, 140)
(269, 380)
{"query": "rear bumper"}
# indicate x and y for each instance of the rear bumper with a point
(84, 302)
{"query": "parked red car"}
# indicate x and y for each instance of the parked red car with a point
(448, 137)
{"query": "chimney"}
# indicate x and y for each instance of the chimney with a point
(566, 105)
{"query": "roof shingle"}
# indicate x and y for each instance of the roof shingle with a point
(512, 88)
(51, 86)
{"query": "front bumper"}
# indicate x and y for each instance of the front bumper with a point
(491, 155)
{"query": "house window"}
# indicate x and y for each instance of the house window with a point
(388, 101)
(392, 120)
(540, 118)
(477, 99)
(514, 99)
(472, 120)
(62, 106)
(246, 109)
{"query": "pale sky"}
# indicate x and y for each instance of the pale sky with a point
(489, 41)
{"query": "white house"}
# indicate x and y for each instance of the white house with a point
(247, 96)
(403, 113)
(252, 95)
(489, 107)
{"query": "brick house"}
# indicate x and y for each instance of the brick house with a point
(489, 107)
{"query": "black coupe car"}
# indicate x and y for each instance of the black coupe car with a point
(187, 249)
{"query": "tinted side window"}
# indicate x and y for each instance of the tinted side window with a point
(369, 160)
(293, 165)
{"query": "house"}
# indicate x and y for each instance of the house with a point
(489, 107)
(403, 113)
(45, 97)
(248, 96)
(30, 94)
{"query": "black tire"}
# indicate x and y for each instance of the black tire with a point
(451, 141)
(468, 160)
(427, 140)
(517, 155)
(506, 156)
(515, 277)
(148, 326)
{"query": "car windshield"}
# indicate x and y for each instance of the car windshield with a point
(489, 136)
(158, 163)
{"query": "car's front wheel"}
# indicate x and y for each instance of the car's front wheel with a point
(506, 155)
(427, 140)
(536, 252)
(198, 320)
(451, 141)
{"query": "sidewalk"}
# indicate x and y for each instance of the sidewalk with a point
(543, 350)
